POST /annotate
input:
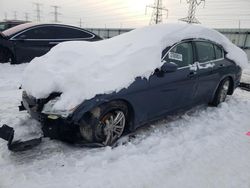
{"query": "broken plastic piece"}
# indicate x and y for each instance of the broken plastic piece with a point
(7, 133)
(245, 86)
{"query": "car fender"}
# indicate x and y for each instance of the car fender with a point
(232, 78)
(88, 105)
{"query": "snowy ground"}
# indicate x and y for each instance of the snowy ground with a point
(205, 147)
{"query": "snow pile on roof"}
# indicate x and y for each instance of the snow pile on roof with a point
(80, 70)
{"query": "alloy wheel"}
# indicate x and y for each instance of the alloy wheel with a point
(224, 91)
(113, 124)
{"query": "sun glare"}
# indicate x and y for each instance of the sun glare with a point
(138, 5)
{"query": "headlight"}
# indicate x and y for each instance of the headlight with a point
(50, 110)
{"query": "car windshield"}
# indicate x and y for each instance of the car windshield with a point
(18, 28)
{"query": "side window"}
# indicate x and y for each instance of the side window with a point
(181, 54)
(70, 33)
(205, 51)
(37, 33)
(2, 26)
(218, 52)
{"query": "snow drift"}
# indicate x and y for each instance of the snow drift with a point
(80, 70)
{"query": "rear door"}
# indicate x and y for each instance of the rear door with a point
(174, 90)
(208, 60)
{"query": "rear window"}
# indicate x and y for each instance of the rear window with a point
(205, 51)
(70, 33)
(17, 29)
(218, 52)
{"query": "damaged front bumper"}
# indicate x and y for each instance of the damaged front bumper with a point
(53, 126)
(7, 133)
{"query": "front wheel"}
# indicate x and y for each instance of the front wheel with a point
(106, 124)
(221, 92)
(111, 127)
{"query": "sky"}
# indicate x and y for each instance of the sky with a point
(129, 13)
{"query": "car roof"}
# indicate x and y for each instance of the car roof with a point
(18, 28)
(21, 27)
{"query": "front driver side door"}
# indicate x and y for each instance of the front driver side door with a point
(171, 91)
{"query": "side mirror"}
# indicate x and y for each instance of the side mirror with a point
(169, 67)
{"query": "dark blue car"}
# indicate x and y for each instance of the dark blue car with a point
(194, 71)
(24, 42)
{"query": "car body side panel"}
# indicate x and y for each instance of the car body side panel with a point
(170, 92)
(26, 50)
(151, 99)
(135, 95)
(208, 77)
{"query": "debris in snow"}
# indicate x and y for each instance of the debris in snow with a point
(80, 70)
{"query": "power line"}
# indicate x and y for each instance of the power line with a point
(157, 14)
(56, 13)
(191, 11)
(38, 11)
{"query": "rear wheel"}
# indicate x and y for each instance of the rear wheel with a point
(221, 93)
(106, 123)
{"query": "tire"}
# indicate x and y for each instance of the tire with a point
(221, 92)
(6, 56)
(106, 123)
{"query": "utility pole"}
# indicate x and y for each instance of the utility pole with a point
(26, 15)
(80, 22)
(56, 13)
(191, 11)
(157, 15)
(38, 11)
(15, 15)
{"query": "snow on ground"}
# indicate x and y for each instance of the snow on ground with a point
(203, 148)
(246, 75)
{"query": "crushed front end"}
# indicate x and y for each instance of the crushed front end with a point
(54, 125)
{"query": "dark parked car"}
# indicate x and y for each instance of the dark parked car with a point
(26, 41)
(194, 71)
(10, 23)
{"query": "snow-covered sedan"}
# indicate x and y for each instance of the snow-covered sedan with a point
(95, 92)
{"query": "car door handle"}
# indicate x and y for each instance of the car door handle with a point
(191, 74)
(54, 42)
